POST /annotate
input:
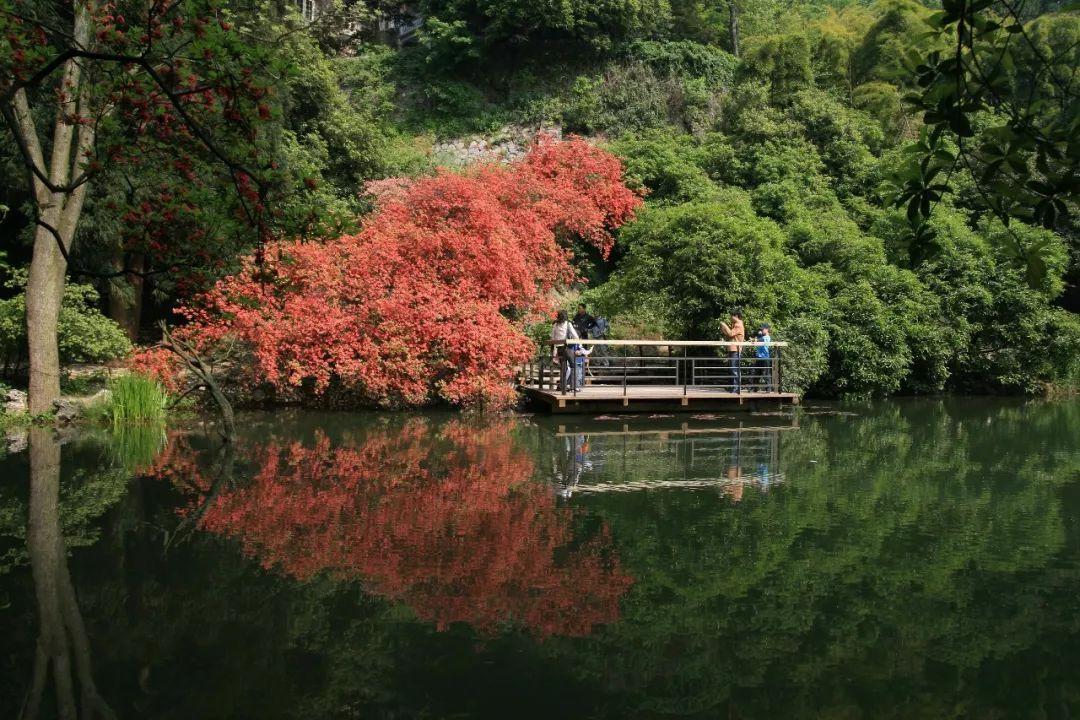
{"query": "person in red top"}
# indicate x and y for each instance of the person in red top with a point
(736, 332)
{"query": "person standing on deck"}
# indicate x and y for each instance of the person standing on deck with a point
(562, 331)
(763, 371)
(581, 362)
(736, 333)
(583, 321)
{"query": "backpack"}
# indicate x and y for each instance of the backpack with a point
(600, 327)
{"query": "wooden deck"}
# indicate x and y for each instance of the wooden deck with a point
(609, 398)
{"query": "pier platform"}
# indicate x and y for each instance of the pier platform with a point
(623, 376)
(671, 398)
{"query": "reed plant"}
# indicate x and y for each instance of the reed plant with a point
(136, 398)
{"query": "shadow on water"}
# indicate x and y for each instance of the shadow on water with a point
(902, 559)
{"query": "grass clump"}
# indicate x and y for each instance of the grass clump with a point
(135, 398)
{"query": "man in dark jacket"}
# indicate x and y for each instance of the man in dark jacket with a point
(583, 321)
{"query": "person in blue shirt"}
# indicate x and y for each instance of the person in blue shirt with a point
(763, 363)
(581, 361)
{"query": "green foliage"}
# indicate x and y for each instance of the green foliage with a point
(666, 165)
(684, 58)
(626, 98)
(835, 38)
(1008, 336)
(699, 261)
(85, 335)
(1003, 88)
(883, 102)
(899, 28)
(782, 61)
(136, 398)
(497, 26)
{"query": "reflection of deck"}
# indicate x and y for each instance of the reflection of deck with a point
(690, 484)
(613, 398)
(679, 457)
(685, 431)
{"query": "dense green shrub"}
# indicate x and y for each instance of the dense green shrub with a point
(784, 62)
(665, 164)
(625, 98)
(85, 335)
(594, 23)
(881, 51)
(686, 59)
(1008, 335)
(698, 261)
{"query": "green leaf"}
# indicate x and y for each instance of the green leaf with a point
(913, 211)
(1036, 271)
(960, 125)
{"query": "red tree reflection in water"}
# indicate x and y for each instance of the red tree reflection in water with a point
(448, 522)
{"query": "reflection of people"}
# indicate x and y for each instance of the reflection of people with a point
(736, 333)
(576, 458)
(734, 487)
(581, 457)
(764, 478)
(571, 462)
(562, 331)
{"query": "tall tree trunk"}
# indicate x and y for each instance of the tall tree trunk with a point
(733, 26)
(58, 197)
(126, 295)
(44, 292)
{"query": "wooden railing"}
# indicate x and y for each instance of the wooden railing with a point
(689, 364)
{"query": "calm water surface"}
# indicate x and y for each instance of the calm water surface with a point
(915, 559)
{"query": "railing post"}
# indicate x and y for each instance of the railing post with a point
(624, 376)
(573, 371)
(738, 369)
(776, 370)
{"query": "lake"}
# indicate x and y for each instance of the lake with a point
(901, 559)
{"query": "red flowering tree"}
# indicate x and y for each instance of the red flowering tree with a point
(89, 86)
(420, 305)
(449, 522)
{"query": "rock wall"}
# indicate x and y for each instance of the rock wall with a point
(508, 144)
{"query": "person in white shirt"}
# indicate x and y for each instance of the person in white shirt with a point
(562, 331)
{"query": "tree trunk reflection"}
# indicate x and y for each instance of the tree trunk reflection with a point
(62, 638)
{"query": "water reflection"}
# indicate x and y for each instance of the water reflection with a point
(446, 519)
(667, 456)
(62, 650)
(917, 560)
